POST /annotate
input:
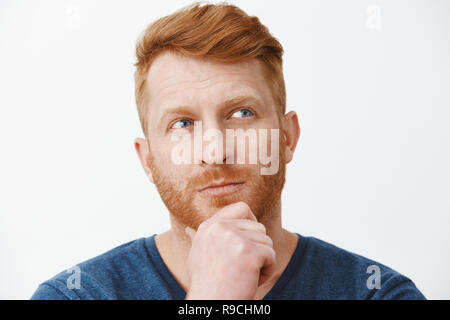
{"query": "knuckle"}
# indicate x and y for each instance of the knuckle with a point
(263, 227)
(223, 230)
(243, 207)
(269, 240)
(246, 208)
(229, 235)
(218, 226)
(266, 252)
(271, 254)
(242, 248)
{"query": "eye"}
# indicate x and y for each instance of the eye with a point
(243, 113)
(181, 124)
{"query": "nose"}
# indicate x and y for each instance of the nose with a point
(213, 151)
(213, 161)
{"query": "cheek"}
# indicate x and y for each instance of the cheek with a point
(159, 163)
(171, 174)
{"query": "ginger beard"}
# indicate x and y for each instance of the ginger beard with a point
(190, 209)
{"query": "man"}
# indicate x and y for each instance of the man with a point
(204, 73)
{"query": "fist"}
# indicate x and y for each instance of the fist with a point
(230, 257)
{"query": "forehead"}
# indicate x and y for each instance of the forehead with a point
(175, 79)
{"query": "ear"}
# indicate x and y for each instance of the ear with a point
(291, 130)
(142, 149)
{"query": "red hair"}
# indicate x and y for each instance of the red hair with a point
(221, 32)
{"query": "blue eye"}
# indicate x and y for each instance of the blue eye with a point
(181, 124)
(244, 113)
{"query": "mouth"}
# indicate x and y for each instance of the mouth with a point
(220, 189)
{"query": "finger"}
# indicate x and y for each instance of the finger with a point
(245, 224)
(257, 237)
(237, 210)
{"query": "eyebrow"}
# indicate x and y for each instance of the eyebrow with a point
(228, 104)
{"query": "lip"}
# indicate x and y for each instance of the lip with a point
(222, 188)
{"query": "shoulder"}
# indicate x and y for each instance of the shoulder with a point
(98, 277)
(347, 275)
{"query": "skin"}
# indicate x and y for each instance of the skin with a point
(228, 247)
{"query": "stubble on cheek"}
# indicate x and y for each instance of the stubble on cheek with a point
(188, 208)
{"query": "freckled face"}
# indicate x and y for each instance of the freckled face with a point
(181, 90)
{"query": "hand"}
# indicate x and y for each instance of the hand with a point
(230, 257)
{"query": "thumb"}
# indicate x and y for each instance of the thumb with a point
(190, 232)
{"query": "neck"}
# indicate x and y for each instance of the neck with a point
(174, 245)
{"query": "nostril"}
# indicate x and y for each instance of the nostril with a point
(213, 161)
(213, 156)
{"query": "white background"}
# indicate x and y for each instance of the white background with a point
(370, 81)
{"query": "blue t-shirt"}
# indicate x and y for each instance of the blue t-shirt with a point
(317, 270)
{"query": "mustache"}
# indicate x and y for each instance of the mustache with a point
(219, 173)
